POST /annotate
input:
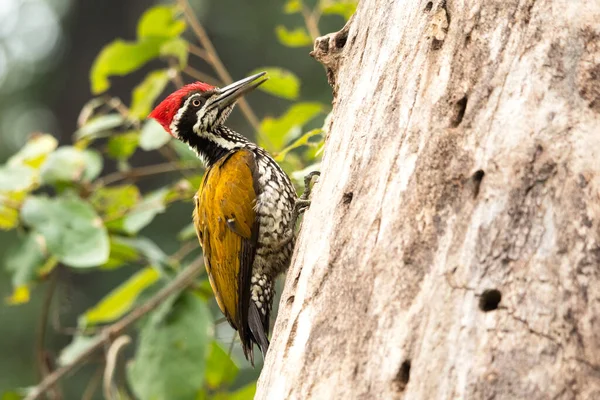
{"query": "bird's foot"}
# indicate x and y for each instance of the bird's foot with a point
(300, 206)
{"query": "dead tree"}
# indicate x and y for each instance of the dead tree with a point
(452, 250)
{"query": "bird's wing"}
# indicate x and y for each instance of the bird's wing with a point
(225, 221)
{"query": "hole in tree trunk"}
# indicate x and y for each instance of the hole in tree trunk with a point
(347, 198)
(341, 39)
(489, 300)
(459, 111)
(403, 376)
(477, 178)
(428, 7)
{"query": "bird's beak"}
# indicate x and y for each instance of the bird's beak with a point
(230, 93)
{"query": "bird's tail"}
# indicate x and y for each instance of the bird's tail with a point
(258, 334)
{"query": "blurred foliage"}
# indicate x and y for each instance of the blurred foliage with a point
(67, 212)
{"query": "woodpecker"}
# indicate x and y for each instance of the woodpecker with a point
(245, 209)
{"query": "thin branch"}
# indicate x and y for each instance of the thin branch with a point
(111, 365)
(183, 280)
(155, 169)
(174, 74)
(201, 76)
(91, 387)
(197, 51)
(215, 61)
(41, 355)
(183, 251)
(311, 19)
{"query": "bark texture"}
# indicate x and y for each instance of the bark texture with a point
(452, 250)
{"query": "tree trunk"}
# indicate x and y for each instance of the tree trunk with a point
(452, 250)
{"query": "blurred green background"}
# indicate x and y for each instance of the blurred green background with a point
(47, 48)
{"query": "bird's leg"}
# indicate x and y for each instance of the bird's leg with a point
(301, 204)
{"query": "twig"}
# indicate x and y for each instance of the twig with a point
(180, 282)
(311, 19)
(170, 166)
(197, 51)
(183, 251)
(215, 61)
(174, 74)
(90, 389)
(111, 364)
(43, 366)
(201, 76)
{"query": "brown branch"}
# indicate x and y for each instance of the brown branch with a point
(41, 355)
(174, 73)
(197, 51)
(183, 280)
(139, 172)
(111, 365)
(311, 19)
(201, 76)
(91, 387)
(215, 61)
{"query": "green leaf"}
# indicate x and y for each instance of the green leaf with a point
(173, 344)
(10, 203)
(12, 396)
(73, 231)
(145, 212)
(148, 248)
(67, 164)
(120, 58)
(121, 252)
(153, 136)
(277, 130)
(292, 6)
(74, 349)
(281, 83)
(146, 93)
(113, 202)
(245, 393)
(298, 37)
(178, 48)
(160, 21)
(187, 233)
(99, 127)
(25, 259)
(14, 178)
(120, 301)
(35, 151)
(93, 165)
(301, 141)
(337, 7)
(220, 369)
(122, 146)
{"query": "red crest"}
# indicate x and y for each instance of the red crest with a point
(166, 110)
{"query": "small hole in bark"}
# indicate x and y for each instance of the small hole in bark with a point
(436, 44)
(290, 300)
(428, 7)
(403, 376)
(467, 39)
(347, 198)
(341, 39)
(459, 111)
(477, 178)
(489, 300)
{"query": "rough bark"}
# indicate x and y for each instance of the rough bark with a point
(452, 250)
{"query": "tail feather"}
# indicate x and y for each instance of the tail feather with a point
(257, 328)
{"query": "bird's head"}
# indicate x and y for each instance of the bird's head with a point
(198, 107)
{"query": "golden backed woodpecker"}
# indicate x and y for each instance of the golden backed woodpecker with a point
(245, 209)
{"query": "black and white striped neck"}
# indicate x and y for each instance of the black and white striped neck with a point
(213, 145)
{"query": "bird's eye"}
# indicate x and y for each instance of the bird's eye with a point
(196, 102)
